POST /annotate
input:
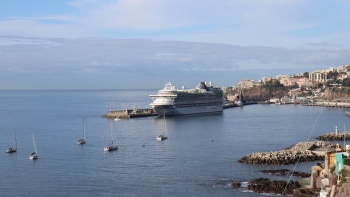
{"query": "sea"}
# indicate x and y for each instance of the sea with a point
(199, 158)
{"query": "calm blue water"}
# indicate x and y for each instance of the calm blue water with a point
(198, 159)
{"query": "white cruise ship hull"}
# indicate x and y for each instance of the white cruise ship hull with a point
(188, 110)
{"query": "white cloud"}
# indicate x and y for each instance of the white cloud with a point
(244, 22)
(110, 55)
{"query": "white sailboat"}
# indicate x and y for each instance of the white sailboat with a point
(34, 155)
(163, 136)
(13, 148)
(113, 145)
(82, 140)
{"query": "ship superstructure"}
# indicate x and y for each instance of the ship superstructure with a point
(202, 99)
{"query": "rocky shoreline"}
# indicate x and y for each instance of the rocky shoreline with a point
(335, 136)
(303, 151)
(264, 185)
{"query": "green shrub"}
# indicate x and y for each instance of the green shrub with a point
(332, 169)
(347, 161)
(342, 175)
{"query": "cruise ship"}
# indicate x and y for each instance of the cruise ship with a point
(202, 99)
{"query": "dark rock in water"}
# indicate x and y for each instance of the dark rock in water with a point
(234, 184)
(264, 185)
(279, 172)
(285, 172)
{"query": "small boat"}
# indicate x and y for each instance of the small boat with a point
(163, 136)
(34, 155)
(239, 103)
(111, 146)
(116, 119)
(347, 113)
(13, 148)
(82, 140)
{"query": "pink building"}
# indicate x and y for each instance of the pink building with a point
(288, 81)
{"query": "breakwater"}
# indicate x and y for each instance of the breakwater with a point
(335, 136)
(303, 151)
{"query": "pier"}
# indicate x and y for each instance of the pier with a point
(133, 113)
(329, 104)
(146, 112)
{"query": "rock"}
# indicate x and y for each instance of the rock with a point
(264, 185)
(236, 185)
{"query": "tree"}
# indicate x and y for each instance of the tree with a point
(346, 82)
(306, 74)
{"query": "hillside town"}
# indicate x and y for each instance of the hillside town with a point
(300, 88)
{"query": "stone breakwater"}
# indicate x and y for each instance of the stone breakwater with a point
(335, 136)
(303, 151)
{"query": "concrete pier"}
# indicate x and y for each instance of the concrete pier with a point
(329, 104)
(146, 112)
(126, 114)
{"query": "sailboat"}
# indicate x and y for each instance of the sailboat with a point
(163, 136)
(112, 146)
(34, 155)
(13, 148)
(82, 140)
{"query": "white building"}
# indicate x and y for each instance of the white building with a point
(245, 83)
(343, 68)
(318, 76)
(331, 69)
(279, 77)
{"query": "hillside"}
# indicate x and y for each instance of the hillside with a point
(264, 93)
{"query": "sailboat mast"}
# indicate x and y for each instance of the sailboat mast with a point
(111, 128)
(164, 122)
(34, 144)
(83, 130)
(14, 139)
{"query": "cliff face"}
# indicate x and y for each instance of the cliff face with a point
(258, 93)
(336, 93)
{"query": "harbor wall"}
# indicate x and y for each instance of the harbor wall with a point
(120, 114)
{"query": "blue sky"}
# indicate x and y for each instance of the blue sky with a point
(122, 44)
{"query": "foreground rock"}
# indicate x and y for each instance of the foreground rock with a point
(335, 136)
(299, 152)
(264, 185)
(286, 172)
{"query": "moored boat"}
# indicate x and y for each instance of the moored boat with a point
(113, 145)
(34, 155)
(82, 140)
(163, 136)
(13, 148)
